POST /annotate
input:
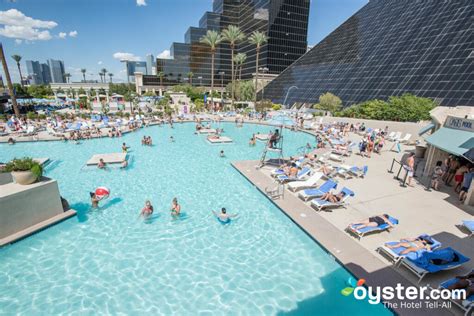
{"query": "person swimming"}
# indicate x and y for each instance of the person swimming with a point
(223, 216)
(147, 210)
(172, 139)
(175, 208)
(222, 153)
(101, 164)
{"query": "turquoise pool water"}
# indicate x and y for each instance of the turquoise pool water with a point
(110, 261)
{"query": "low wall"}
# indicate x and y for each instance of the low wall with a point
(26, 206)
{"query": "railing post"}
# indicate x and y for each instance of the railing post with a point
(391, 167)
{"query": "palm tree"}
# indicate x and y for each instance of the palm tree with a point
(258, 39)
(212, 39)
(67, 75)
(233, 35)
(104, 72)
(239, 61)
(17, 59)
(110, 76)
(9, 82)
(190, 76)
(100, 75)
(83, 70)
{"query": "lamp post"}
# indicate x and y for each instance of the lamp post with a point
(200, 80)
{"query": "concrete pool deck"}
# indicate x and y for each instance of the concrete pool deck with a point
(419, 211)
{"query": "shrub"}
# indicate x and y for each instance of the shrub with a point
(329, 102)
(25, 164)
(31, 115)
(276, 107)
(405, 108)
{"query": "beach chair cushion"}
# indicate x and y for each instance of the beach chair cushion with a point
(452, 281)
(440, 259)
(324, 188)
(323, 203)
(469, 225)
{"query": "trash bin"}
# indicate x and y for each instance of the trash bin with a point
(420, 151)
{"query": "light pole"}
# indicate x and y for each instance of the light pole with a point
(200, 80)
(288, 92)
(222, 87)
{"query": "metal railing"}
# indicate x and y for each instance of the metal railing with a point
(398, 165)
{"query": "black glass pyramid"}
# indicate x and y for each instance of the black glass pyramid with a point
(389, 47)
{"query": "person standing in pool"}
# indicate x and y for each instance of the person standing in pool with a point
(101, 164)
(147, 210)
(94, 200)
(175, 208)
(222, 154)
(125, 148)
(223, 216)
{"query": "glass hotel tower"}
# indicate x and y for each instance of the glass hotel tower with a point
(285, 22)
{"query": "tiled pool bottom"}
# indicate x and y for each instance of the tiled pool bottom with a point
(109, 261)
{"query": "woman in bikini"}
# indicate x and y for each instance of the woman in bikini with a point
(412, 245)
(147, 210)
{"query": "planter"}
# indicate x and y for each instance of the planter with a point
(23, 177)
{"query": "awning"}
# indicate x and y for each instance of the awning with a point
(453, 141)
(426, 129)
(469, 155)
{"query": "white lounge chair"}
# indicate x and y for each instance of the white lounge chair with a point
(52, 132)
(311, 181)
(395, 137)
(405, 139)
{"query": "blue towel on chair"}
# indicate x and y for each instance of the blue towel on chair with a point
(440, 259)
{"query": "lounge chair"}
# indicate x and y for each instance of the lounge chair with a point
(390, 135)
(317, 192)
(348, 172)
(394, 254)
(279, 171)
(469, 226)
(321, 204)
(468, 304)
(299, 176)
(405, 139)
(361, 232)
(395, 137)
(423, 265)
(52, 132)
(311, 181)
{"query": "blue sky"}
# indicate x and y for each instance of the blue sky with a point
(89, 33)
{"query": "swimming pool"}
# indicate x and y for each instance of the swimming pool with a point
(110, 261)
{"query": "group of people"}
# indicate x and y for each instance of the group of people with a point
(175, 211)
(453, 169)
(147, 141)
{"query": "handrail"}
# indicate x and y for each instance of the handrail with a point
(397, 177)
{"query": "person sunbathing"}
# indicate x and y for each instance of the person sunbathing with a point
(333, 198)
(373, 221)
(292, 172)
(464, 282)
(412, 245)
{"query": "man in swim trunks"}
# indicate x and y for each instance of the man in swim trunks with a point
(223, 216)
(374, 221)
(175, 208)
(412, 245)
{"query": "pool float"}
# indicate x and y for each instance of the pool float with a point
(102, 193)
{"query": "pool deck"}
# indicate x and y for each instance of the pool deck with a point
(359, 260)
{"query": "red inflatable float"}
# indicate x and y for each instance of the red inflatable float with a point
(102, 193)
